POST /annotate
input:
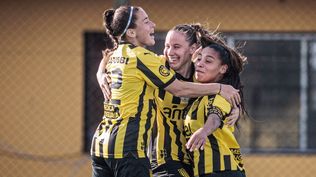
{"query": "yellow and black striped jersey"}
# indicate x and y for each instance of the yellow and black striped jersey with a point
(129, 116)
(221, 151)
(171, 112)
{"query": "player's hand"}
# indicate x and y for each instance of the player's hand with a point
(197, 140)
(233, 116)
(196, 53)
(230, 94)
(102, 77)
(104, 82)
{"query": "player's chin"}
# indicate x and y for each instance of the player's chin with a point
(151, 42)
(174, 65)
(199, 77)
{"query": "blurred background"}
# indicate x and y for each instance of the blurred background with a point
(51, 102)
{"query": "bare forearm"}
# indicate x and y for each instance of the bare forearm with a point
(102, 66)
(212, 123)
(101, 69)
(198, 138)
(190, 89)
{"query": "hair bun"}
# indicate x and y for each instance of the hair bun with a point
(108, 19)
(197, 27)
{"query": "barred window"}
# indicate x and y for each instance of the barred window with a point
(280, 89)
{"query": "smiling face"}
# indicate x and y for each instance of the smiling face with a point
(143, 34)
(178, 51)
(209, 67)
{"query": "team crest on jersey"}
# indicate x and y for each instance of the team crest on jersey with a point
(210, 103)
(164, 71)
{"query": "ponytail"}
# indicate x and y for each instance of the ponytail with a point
(108, 16)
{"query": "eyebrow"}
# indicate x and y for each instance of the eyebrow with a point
(146, 18)
(209, 56)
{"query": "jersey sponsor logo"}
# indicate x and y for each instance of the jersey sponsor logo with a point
(164, 71)
(187, 131)
(174, 113)
(110, 111)
(237, 154)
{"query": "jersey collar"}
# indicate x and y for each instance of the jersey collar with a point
(125, 42)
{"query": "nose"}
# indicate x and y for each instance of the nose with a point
(153, 24)
(170, 51)
(199, 64)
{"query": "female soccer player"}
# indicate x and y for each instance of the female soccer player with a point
(170, 152)
(120, 142)
(215, 151)
(170, 157)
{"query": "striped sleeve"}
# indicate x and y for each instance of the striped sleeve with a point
(219, 106)
(222, 104)
(154, 70)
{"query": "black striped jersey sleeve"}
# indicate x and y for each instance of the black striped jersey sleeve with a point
(219, 106)
(153, 69)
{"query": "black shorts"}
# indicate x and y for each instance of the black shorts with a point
(173, 169)
(125, 167)
(226, 174)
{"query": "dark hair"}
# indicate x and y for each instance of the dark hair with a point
(116, 20)
(229, 56)
(191, 31)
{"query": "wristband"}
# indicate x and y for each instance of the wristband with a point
(220, 89)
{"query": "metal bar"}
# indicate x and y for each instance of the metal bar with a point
(303, 96)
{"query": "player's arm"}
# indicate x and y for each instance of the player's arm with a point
(199, 137)
(103, 78)
(233, 116)
(149, 65)
(190, 89)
